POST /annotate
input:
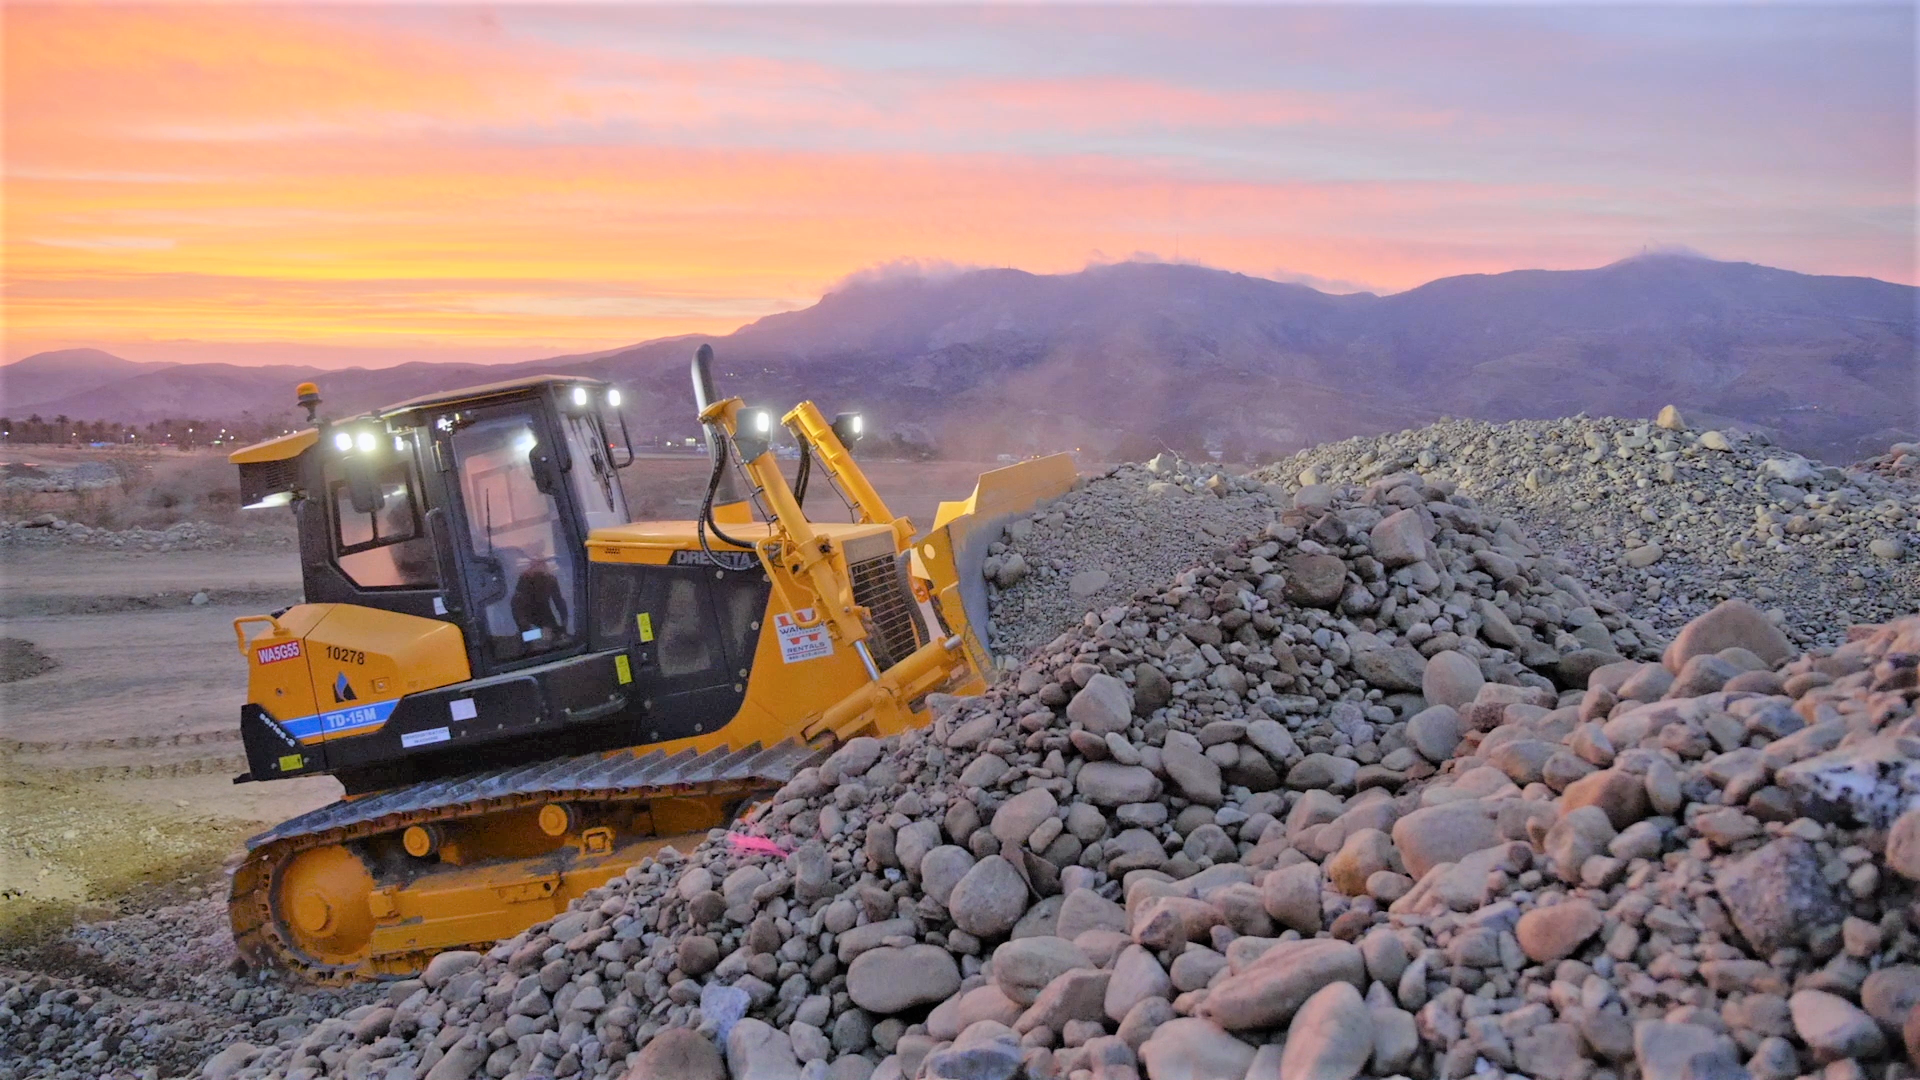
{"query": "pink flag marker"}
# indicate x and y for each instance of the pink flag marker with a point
(755, 845)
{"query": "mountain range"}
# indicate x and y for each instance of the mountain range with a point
(1121, 358)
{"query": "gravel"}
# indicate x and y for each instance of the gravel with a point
(1665, 524)
(1698, 883)
(1226, 713)
(151, 995)
(47, 529)
(1360, 780)
(1114, 536)
(22, 659)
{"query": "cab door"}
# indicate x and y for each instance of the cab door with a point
(519, 546)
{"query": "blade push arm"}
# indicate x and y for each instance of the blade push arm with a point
(808, 423)
(794, 541)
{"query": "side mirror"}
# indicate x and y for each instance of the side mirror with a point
(362, 488)
(546, 471)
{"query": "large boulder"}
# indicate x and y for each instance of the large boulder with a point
(1393, 670)
(1019, 816)
(679, 1053)
(1023, 967)
(1331, 1037)
(1549, 935)
(1445, 833)
(1451, 678)
(1734, 624)
(1110, 784)
(891, 979)
(1194, 1049)
(1137, 976)
(1105, 704)
(1197, 777)
(1291, 897)
(1315, 580)
(1777, 893)
(989, 899)
(1400, 538)
(1833, 1028)
(759, 1051)
(1269, 991)
(1083, 910)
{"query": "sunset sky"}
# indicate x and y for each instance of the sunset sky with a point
(370, 184)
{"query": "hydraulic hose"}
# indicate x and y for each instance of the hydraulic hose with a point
(706, 522)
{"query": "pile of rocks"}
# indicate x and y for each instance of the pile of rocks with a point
(1668, 520)
(1902, 460)
(87, 476)
(1110, 538)
(149, 995)
(1083, 858)
(1681, 871)
(50, 529)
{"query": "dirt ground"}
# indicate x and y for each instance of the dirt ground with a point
(116, 764)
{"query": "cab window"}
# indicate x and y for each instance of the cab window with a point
(595, 487)
(384, 548)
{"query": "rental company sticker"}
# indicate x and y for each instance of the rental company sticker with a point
(273, 654)
(799, 643)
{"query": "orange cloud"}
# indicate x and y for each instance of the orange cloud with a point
(433, 180)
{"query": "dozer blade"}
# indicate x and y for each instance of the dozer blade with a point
(373, 887)
(953, 553)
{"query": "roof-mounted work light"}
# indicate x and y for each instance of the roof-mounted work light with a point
(849, 426)
(753, 433)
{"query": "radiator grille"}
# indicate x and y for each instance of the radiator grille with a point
(880, 586)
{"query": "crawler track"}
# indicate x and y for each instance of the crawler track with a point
(732, 777)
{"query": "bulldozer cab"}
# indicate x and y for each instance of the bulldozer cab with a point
(471, 507)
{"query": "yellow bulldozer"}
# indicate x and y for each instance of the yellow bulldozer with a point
(524, 693)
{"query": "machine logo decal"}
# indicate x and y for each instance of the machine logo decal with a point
(799, 642)
(273, 654)
(354, 721)
(422, 738)
(726, 560)
(343, 690)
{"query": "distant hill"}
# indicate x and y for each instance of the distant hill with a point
(65, 373)
(1118, 359)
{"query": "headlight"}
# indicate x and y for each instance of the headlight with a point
(365, 442)
(342, 441)
(579, 395)
(753, 433)
(849, 426)
(613, 399)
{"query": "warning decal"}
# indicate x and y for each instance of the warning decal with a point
(801, 643)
